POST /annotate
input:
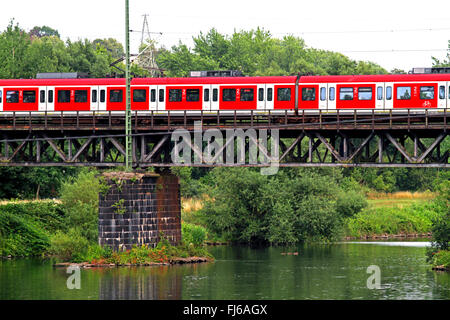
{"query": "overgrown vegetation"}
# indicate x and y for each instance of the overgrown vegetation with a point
(439, 253)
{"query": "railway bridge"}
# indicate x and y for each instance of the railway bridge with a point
(364, 138)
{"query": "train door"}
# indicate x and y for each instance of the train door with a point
(206, 97)
(214, 97)
(102, 90)
(388, 95)
(50, 98)
(94, 98)
(42, 99)
(153, 98)
(442, 95)
(269, 96)
(379, 100)
(323, 103)
(331, 103)
(261, 103)
(161, 98)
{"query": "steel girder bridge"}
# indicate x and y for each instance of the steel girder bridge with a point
(364, 138)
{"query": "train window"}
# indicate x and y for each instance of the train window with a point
(153, 95)
(442, 92)
(63, 96)
(50, 96)
(12, 96)
(206, 95)
(247, 94)
(308, 94)
(403, 93)
(81, 96)
(102, 95)
(346, 93)
(269, 94)
(1, 96)
(175, 95)
(284, 94)
(365, 93)
(42, 96)
(215, 95)
(139, 95)
(389, 93)
(161, 95)
(379, 93)
(261, 94)
(116, 95)
(427, 92)
(323, 94)
(193, 95)
(94, 96)
(229, 94)
(332, 93)
(29, 96)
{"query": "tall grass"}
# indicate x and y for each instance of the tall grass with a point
(413, 219)
(401, 195)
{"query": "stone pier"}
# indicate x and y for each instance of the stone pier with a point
(137, 208)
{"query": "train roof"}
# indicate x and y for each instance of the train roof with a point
(376, 78)
(226, 80)
(147, 81)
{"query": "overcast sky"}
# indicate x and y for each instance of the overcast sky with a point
(395, 34)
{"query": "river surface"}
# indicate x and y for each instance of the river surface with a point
(334, 271)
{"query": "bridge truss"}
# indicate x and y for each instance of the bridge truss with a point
(412, 138)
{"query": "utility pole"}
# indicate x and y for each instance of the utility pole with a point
(146, 58)
(128, 147)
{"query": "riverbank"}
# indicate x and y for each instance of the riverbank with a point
(87, 265)
(39, 228)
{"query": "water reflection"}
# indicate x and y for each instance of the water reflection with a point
(335, 271)
(140, 283)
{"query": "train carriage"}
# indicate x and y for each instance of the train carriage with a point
(229, 94)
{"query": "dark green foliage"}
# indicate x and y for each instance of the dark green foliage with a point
(193, 234)
(350, 203)
(80, 199)
(20, 236)
(30, 183)
(394, 179)
(257, 53)
(23, 55)
(294, 205)
(69, 246)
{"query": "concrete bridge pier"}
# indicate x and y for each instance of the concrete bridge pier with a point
(138, 208)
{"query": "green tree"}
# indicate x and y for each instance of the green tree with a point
(14, 43)
(445, 62)
(44, 31)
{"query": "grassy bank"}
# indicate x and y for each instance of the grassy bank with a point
(39, 228)
(402, 213)
(388, 214)
(26, 227)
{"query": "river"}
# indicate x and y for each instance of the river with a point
(316, 271)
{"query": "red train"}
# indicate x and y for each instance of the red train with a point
(374, 92)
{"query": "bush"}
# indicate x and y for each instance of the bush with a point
(350, 203)
(441, 258)
(80, 199)
(20, 236)
(46, 214)
(71, 246)
(294, 205)
(416, 218)
(193, 234)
